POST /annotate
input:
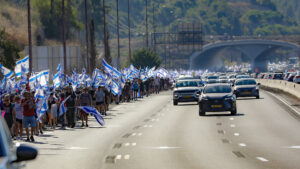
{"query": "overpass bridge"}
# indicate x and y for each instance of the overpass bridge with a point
(257, 49)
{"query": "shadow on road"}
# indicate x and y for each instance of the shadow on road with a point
(220, 115)
(249, 98)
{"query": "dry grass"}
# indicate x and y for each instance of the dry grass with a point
(14, 20)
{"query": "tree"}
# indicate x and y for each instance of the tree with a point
(144, 57)
(9, 50)
(50, 16)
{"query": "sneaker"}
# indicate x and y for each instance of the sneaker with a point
(31, 139)
(73, 125)
(87, 125)
(41, 131)
(28, 140)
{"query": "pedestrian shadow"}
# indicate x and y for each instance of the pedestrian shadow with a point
(37, 142)
(100, 127)
(46, 135)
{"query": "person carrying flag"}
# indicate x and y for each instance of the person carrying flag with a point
(100, 98)
(85, 99)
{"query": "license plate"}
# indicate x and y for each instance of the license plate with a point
(216, 106)
(187, 97)
(247, 93)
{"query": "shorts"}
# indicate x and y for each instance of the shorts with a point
(99, 103)
(20, 121)
(29, 120)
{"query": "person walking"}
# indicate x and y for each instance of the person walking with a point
(52, 110)
(28, 105)
(85, 99)
(135, 89)
(70, 104)
(9, 113)
(19, 118)
(100, 98)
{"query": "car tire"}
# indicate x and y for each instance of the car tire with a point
(233, 112)
(201, 112)
(175, 103)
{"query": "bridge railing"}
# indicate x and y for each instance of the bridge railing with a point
(217, 38)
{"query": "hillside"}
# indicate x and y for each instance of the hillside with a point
(233, 17)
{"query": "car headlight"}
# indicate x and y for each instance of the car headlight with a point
(204, 98)
(176, 94)
(198, 93)
(230, 98)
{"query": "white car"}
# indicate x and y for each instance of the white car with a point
(297, 78)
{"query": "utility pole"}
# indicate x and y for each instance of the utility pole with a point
(147, 40)
(29, 36)
(64, 37)
(87, 37)
(129, 38)
(154, 26)
(118, 32)
(105, 33)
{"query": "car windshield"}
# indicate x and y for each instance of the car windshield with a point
(187, 84)
(217, 89)
(223, 77)
(246, 82)
(242, 76)
(212, 77)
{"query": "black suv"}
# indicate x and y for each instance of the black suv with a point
(217, 98)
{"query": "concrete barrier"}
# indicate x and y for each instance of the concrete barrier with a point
(282, 85)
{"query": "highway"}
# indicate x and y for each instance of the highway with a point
(153, 134)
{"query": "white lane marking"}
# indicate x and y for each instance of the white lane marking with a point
(75, 148)
(127, 157)
(262, 159)
(164, 148)
(285, 102)
(231, 118)
(242, 145)
(157, 119)
(148, 126)
(294, 147)
(236, 134)
(133, 134)
(119, 157)
(127, 144)
(145, 125)
(232, 125)
(140, 134)
(133, 144)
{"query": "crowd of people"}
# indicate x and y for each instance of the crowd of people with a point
(19, 109)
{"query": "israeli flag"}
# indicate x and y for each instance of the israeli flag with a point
(92, 110)
(56, 80)
(115, 88)
(22, 63)
(6, 72)
(62, 107)
(113, 72)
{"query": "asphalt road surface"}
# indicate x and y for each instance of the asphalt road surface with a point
(153, 134)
